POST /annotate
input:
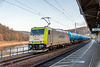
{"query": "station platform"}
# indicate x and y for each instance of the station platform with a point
(87, 56)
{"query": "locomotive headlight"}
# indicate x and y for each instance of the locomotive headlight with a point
(30, 41)
(42, 41)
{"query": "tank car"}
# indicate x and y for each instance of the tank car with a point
(44, 38)
(75, 38)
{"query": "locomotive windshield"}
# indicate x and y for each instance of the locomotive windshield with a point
(37, 32)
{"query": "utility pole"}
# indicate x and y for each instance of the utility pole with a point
(47, 20)
(75, 27)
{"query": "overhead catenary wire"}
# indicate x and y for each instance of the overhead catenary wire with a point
(67, 12)
(60, 23)
(22, 8)
(64, 10)
(38, 13)
(59, 11)
(32, 10)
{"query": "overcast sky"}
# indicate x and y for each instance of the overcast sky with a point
(22, 15)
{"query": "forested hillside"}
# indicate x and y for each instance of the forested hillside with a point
(7, 34)
(25, 32)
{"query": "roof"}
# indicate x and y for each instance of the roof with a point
(90, 9)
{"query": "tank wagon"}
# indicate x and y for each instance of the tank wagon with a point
(42, 38)
(75, 38)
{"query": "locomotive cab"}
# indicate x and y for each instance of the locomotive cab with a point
(38, 38)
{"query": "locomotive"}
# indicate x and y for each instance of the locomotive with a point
(46, 38)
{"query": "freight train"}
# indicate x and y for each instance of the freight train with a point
(46, 38)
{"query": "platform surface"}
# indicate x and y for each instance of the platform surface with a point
(87, 56)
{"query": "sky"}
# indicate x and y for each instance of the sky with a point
(22, 15)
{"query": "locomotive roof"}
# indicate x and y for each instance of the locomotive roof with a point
(41, 28)
(49, 28)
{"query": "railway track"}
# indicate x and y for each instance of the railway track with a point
(18, 59)
(22, 58)
(32, 59)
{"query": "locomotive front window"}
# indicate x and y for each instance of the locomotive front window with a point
(37, 32)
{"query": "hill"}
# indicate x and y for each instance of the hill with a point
(25, 32)
(7, 34)
(81, 30)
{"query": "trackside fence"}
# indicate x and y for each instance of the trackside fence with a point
(13, 51)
